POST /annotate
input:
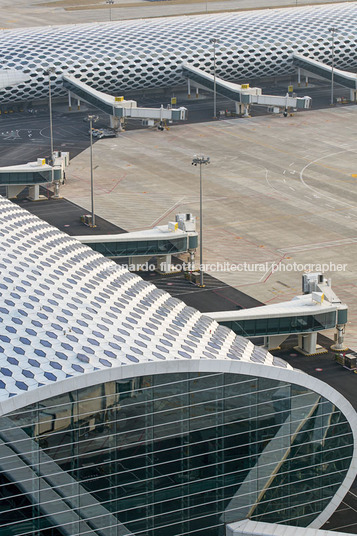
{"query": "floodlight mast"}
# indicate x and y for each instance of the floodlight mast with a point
(92, 119)
(49, 71)
(110, 2)
(201, 160)
(333, 30)
(214, 41)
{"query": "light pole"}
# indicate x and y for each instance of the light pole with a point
(92, 119)
(201, 160)
(110, 2)
(49, 71)
(333, 30)
(214, 41)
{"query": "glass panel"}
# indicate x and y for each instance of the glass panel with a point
(290, 324)
(142, 247)
(172, 453)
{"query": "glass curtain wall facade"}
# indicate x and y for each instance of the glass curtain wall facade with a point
(174, 454)
(257, 327)
(29, 177)
(140, 247)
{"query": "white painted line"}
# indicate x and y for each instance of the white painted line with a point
(167, 212)
(338, 201)
(268, 181)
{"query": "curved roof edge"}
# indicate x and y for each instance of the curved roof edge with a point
(203, 365)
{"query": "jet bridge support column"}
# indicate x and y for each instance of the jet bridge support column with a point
(242, 109)
(273, 342)
(188, 88)
(164, 264)
(12, 191)
(116, 123)
(339, 337)
(34, 192)
(339, 345)
(192, 261)
(56, 193)
(307, 344)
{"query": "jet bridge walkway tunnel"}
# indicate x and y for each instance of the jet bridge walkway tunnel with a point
(33, 174)
(161, 242)
(117, 107)
(304, 315)
(321, 70)
(242, 95)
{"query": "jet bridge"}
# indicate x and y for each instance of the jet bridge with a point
(321, 70)
(140, 246)
(117, 107)
(33, 174)
(305, 315)
(242, 95)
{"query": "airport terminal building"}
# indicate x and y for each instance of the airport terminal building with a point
(124, 411)
(124, 56)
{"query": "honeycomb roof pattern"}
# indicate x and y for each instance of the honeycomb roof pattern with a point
(66, 310)
(130, 55)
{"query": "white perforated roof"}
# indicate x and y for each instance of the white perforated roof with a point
(67, 311)
(120, 56)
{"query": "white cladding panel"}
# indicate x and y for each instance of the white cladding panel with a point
(120, 56)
